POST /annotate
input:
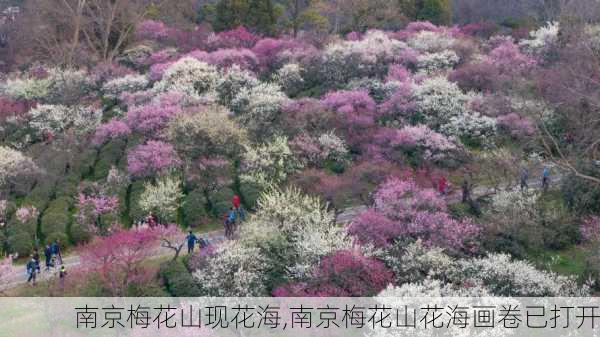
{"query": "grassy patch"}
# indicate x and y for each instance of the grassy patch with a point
(570, 261)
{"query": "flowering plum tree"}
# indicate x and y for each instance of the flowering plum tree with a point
(111, 130)
(151, 158)
(404, 209)
(118, 258)
(92, 209)
(342, 274)
(162, 198)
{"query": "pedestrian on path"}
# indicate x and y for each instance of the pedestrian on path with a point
(442, 185)
(56, 251)
(524, 178)
(466, 191)
(191, 241)
(36, 258)
(545, 178)
(62, 274)
(236, 201)
(31, 270)
(48, 257)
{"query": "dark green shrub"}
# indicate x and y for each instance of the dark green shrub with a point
(20, 242)
(581, 196)
(84, 165)
(56, 219)
(220, 201)
(135, 212)
(78, 234)
(177, 280)
(108, 157)
(194, 209)
(67, 186)
(40, 195)
(249, 195)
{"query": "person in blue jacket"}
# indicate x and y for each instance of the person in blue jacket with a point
(191, 241)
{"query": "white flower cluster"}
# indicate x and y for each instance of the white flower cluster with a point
(514, 203)
(541, 38)
(333, 147)
(471, 126)
(26, 88)
(234, 270)
(129, 83)
(439, 99)
(258, 106)
(57, 118)
(232, 81)
(162, 198)
(13, 163)
(375, 45)
(434, 62)
(297, 225)
(431, 42)
(189, 76)
(59, 86)
(269, 164)
(289, 77)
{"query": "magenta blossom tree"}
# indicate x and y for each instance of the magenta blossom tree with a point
(153, 116)
(403, 209)
(342, 274)
(117, 260)
(151, 158)
(112, 130)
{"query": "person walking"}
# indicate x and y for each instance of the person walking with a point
(545, 178)
(62, 274)
(31, 270)
(230, 222)
(36, 258)
(236, 201)
(48, 257)
(524, 178)
(56, 251)
(191, 241)
(442, 185)
(466, 191)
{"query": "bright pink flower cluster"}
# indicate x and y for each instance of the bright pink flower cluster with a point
(150, 158)
(98, 204)
(152, 116)
(152, 30)
(343, 274)
(239, 37)
(356, 107)
(113, 129)
(403, 209)
(508, 59)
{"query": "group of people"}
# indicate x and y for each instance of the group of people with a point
(234, 217)
(525, 178)
(52, 257)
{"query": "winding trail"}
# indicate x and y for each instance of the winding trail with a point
(216, 237)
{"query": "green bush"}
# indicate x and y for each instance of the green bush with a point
(249, 195)
(56, 219)
(20, 242)
(220, 201)
(40, 195)
(109, 156)
(67, 186)
(194, 209)
(84, 165)
(78, 234)
(135, 212)
(177, 280)
(581, 196)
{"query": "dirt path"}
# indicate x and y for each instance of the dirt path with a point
(216, 237)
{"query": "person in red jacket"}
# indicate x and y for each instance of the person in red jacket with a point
(442, 185)
(236, 201)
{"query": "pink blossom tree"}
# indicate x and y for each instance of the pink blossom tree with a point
(403, 209)
(151, 158)
(342, 274)
(117, 260)
(238, 37)
(111, 130)
(26, 213)
(356, 110)
(93, 208)
(153, 116)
